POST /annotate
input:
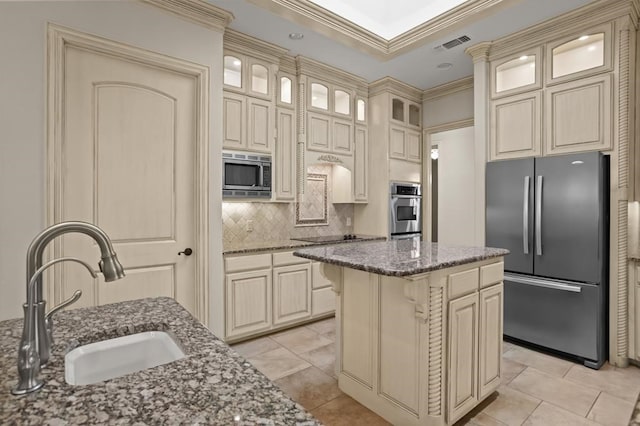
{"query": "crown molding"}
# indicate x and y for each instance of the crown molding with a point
(323, 21)
(397, 87)
(288, 64)
(565, 25)
(200, 12)
(448, 88)
(479, 52)
(313, 68)
(243, 43)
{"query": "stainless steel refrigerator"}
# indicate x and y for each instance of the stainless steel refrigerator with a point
(552, 214)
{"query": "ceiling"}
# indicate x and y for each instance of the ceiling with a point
(416, 63)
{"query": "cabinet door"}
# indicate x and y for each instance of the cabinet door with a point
(397, 143)
(234, 112)
(342, 136)
(291, 293)
(463, 359)
(319, 129)
(414, 151)
(323, 301)
(260, 125)
(361, 165)
(490, 343)
(516, 126)
(578, 116)
(248, 302)
(285, 155)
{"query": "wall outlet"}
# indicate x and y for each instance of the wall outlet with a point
(348, 221)
(249, 225)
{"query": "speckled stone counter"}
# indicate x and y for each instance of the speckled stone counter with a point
(286, 244)
(211, 385)
(399, 258)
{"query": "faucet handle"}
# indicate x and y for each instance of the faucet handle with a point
(48, 323)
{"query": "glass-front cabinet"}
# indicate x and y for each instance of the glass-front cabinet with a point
(247, 75)
(579, 55)
(516, 73)
(405, 112)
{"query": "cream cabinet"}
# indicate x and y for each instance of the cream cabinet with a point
(248, 123)
(405, 144)
(405, 112)
(578, 116)
(490, 335)
(329, 134)
(516, 126)
(272, 290)
(634, 310)
(248, 300)
(291, 293)
(285, 158)
(361, 165)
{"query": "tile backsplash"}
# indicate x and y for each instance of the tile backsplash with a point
(276, 221)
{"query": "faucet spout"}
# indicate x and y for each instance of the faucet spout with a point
(109, 265)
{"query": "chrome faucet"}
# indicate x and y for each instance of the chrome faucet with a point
(35, 346)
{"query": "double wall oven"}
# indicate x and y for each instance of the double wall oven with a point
(405, 219)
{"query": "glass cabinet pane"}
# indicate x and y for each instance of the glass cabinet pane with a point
(583, 53)
(319, 96)
(397, 109)
(516, 73)
(342, 102)
(285, 90)
(259, 79)
(414, 115)
(232, 71)
(361, 112)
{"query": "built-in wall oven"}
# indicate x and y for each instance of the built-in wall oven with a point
(405, 219)
(246, 175)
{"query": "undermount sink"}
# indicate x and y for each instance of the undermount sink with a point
(113, 358)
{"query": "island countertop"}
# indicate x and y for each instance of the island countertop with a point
(211, 385)
(399, 258)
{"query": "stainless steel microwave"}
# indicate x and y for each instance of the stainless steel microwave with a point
(246, 175)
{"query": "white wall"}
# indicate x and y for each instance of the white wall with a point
(456, 186)
(23, 110)
(447, 109)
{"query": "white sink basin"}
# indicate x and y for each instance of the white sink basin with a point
(113, 358)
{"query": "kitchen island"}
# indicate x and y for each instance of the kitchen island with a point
(211, 385)
(419, 326)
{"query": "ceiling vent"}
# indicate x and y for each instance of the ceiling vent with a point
(456, 42)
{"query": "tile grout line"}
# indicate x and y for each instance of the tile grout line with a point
(532, 411)
(593, 405)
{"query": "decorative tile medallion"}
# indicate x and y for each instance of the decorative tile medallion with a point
(312, 211)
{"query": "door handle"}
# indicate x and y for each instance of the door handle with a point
(544, 283)
(186, 252)
(539, 217)
(525, 216)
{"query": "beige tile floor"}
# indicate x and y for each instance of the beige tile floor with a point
(537, 389)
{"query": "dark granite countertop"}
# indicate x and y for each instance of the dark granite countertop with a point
(254, 247)
(399, 257)
(211, 385)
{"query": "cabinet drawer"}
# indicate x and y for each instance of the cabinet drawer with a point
(463, 283)
(317, 279)
(491, 274)
(247, 263)
(287, 258)
(323, 301)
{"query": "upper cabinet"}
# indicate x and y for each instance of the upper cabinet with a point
(517, 73)
(330, 99)
(580, 55)
(248, 75)
(405, 112)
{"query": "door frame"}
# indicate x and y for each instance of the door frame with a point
(426, 169)
(58, 39)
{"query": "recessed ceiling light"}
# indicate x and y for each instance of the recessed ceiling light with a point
(296, 36)
(524, 57)
(444, 66)
(583, 38)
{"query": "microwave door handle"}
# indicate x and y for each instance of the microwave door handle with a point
(261, 178)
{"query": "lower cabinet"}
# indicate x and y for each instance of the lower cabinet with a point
(248, 299)
(490, 343)
(273, 290)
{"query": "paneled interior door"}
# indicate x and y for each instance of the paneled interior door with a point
(128, 165)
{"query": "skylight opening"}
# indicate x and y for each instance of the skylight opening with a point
(388, 18)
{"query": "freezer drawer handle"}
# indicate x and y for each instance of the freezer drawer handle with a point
(539, 217)
(525, 216)
(545, 284)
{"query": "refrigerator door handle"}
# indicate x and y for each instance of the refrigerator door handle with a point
(525, 216)
(539, 216)
(543, 283)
